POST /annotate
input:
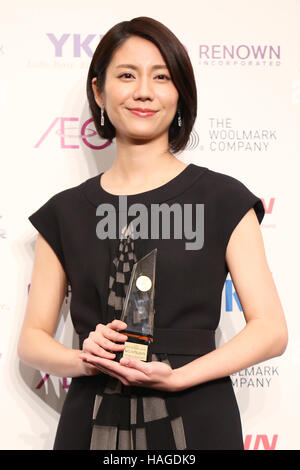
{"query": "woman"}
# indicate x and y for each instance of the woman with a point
(141, 90)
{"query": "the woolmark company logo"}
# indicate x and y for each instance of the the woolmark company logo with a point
(258, 376)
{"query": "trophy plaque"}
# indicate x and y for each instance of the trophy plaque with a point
(138, 310)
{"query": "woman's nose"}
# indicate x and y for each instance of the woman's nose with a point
(143, 88)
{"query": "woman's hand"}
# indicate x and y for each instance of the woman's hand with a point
(97, 356)
(101, 341)
(133, 372)
(88, 369)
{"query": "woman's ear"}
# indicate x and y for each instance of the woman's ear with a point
(97, 94)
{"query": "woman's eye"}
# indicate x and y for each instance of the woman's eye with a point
(161, 75)
(164, 76)
(124, 74)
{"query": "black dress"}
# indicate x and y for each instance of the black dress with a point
(190, 276)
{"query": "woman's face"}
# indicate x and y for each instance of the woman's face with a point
(145, 84)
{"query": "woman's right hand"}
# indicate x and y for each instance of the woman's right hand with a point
(101, 342)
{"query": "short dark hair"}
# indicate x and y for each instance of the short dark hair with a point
(177, 61)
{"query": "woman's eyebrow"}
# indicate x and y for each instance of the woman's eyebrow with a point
(131, 66)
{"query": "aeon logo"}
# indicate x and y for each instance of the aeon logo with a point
(242, 51)
(76, 42)
(61, 127)
(260, 442)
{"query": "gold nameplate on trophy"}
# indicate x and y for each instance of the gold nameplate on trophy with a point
(139, 351)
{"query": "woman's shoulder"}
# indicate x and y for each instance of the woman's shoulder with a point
(221, 186)
(222, 180)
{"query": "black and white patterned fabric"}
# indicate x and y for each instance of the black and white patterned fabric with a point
(131, 417)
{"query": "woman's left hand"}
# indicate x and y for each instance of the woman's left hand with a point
(155, 374)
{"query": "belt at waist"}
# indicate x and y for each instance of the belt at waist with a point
(194, 341)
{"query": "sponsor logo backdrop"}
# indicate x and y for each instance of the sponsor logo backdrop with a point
(247, 67)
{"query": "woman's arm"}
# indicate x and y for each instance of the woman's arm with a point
(36, 346)
(265, 334)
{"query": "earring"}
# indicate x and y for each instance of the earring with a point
(179, 119)
(102, 117)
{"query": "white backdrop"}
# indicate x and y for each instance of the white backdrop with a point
(247, 127)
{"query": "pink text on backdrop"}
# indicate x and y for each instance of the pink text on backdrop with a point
(269, 208)
(78, 42)
(253, 442)
(46, 377)
(60, 127)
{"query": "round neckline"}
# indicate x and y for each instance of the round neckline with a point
(161, 187)
(179, 183)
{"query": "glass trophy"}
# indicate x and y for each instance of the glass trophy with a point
(138, 310)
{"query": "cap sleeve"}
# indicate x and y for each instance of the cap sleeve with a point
(46, 222)
(237, 200)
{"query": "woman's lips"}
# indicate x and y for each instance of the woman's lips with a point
(139, 113)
